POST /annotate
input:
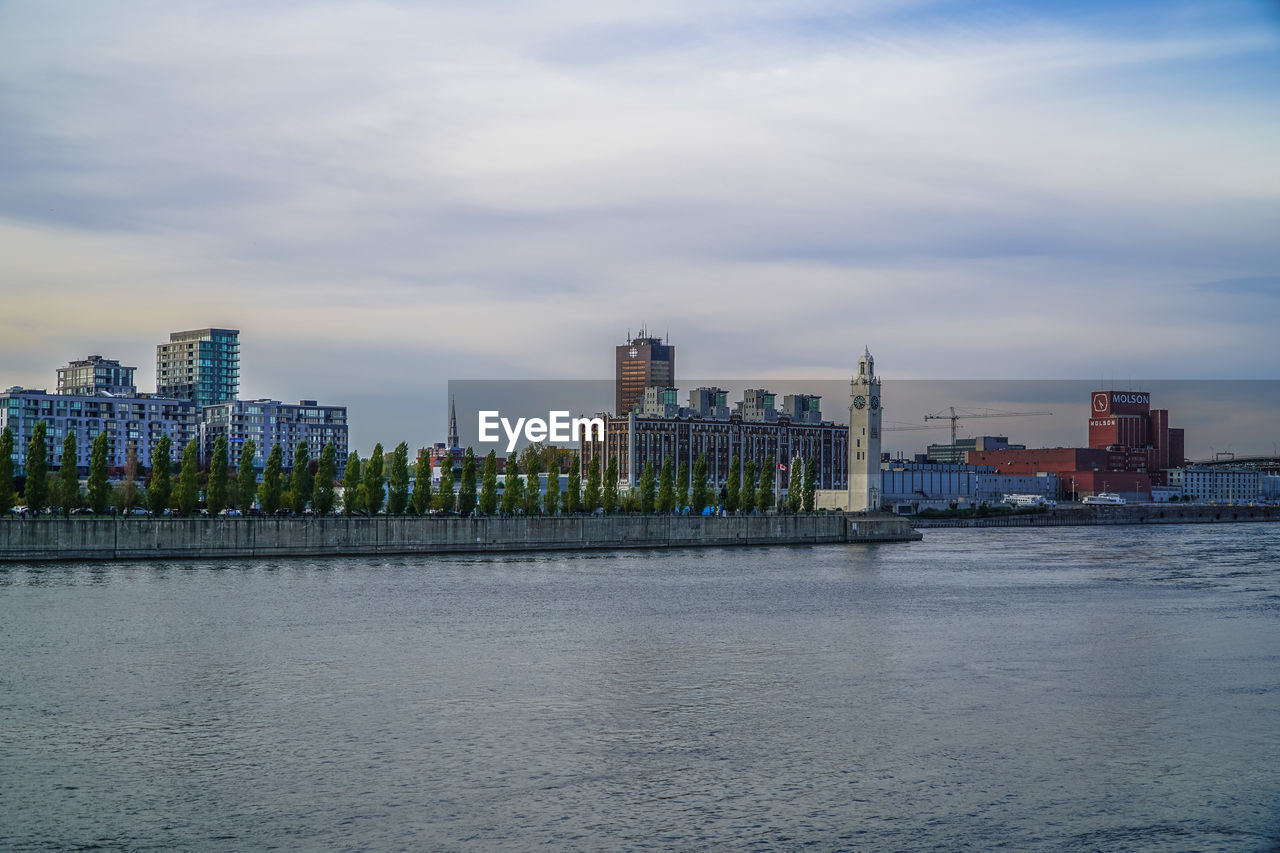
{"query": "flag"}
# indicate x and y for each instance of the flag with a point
(781, 467)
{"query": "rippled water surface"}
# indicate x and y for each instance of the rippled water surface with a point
(1038, 689)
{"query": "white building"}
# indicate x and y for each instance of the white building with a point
(1221, 485)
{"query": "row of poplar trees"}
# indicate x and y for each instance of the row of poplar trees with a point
(664, 490)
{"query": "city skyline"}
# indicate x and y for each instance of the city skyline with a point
(388, 197)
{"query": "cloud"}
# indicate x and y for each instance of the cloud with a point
(500, 189)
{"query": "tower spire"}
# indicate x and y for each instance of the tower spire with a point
(453, 424)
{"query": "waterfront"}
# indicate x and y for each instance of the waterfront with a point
(1058, 688)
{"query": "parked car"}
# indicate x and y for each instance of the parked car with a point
(231, 512)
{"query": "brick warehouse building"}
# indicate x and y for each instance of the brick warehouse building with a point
(1131, 447)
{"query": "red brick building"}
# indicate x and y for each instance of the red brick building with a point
(1130, 448)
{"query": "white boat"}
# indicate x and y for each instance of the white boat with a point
(1104, 499)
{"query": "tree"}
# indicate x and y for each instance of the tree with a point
(573, 496)
(591, 499)
(648, 485)
(270, 493)
(701, 491)
(667, 487)
(37, 491)
(188, 482)
(7, 496)
(422, 484)
(609, 491)
(68, 475)
(467, 488)
(489, 485)
(301, 484)
(532, 493)
(764, 494)
(159, 487)
(373, 487)
(444, 495)
(398, 496)
(127, 495)
(322, 495)
(215, 496)
(733, 488)
(351, 486)
(795, 485)
(246, 477)
(747, 499)
(682, 486)
(512, 494)
(810, 483)
(551, 502)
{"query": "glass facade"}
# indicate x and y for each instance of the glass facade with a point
(201, 365)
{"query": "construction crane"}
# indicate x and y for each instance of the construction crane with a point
(970, 414)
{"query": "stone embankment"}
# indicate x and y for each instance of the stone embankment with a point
(1134, 514)
(203, 538)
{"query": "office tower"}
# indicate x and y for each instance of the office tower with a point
(642, 362)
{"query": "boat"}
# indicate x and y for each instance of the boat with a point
(1104, 499)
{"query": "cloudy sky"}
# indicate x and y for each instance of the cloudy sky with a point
(384, 196)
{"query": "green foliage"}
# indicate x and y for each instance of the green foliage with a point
(374, 492)
(445, 497)
(795, 485)
(747, 500)
(215, 496)
(322, 494)
(551, 501)
(127, 495)
(733, 489)
(422, 484)
(532, 498)
(188, 482)
(68, 476)
(246, 477)
(270, 495)
(810, 483)
(351, 486)
(701, 490)
(609, 489)
(592, 498)
(301, 483)
(512, 492)
(682, 486)
(398, 496)
(573, 497)
(467, 488)
(7, 496)
(489, 485)
(37, 491)
(764, 494)
(160, 485)
(648, 485)
(667, 487)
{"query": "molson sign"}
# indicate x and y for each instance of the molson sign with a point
(1120, 403)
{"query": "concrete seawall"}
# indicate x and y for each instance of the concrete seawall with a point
(201, 538)
(1095, 515)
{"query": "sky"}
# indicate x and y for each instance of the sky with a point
(385, 196)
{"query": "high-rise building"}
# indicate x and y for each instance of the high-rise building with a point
(202, 365)
(96, 375)
(642, 362)
(271, 422)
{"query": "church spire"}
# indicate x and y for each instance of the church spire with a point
(453, 424)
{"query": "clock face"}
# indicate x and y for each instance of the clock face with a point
(859, 402)
(633, 352)
(875, 402)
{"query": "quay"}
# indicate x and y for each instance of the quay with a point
(204, 538)
(1085, 516)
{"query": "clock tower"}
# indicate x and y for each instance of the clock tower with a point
(864, 436)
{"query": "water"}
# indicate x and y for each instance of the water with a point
(1039, 689)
